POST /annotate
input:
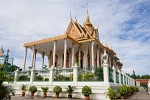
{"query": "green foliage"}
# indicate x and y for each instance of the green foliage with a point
(111, 93)
(86, 91)
(63, 78)
(33, 89)
(23, 78)
(122, 90)
(5, 90)
(7, 67)
(39, 78)
(57, 89)
(87, 76)
(80, 78)
(45, 89)
(46, 79)
(24, 87)
(70, 89)
(99, 73)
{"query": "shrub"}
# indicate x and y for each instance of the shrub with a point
(70, 89)
(86, 91)
(24, 87)
(39, 78)
(111, 93)
(33, 89)
(45, 89)
(23, 78)
(46, 79)
(57, 89)
(122, 90)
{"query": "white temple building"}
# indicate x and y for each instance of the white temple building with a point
(72, 57)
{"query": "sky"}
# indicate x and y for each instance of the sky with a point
(124, 25)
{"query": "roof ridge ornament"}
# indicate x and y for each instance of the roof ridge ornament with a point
(70, 16)
(87, 22)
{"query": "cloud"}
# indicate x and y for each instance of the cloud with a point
(123, 25)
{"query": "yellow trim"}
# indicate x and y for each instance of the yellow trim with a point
(45, 40)
(74, 40)
(87, 40)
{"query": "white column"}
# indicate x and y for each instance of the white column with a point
(97, 56)
(54, 54)
(92, 49)
(33, 53)
(79, 57)
(43, 60)
(126, 78)
(75, 74)
(49, 58)
(70, 57)
(32, 76)
(51, 76)
(123, 78)
(65, 52)
(72, 54)
(114, 72)
(106, 73)
(25, 57)
(119, 76)
(16, 76)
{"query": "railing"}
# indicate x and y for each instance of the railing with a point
(89, 75)
(73, 75)
(63, 74)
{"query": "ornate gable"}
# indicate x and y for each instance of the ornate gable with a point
(72, 30)
(81, 33)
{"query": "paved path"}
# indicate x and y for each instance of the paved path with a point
(141, 95)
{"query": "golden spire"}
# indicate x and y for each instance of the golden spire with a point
(70, 16)
(87, 22)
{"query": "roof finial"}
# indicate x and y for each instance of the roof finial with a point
(87, 8)
(87, 22)
(70, 15)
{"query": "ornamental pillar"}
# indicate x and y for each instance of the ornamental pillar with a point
(51, 76)
(43, 60)
(54, 54)
(75, 74)
(79, 57)
(105, 67)
(32, 76)
(119, 77)
(92, 51)
(123, 78)
(114, 72)
(16, 75)
(98, 56)
(65, 52)
(25, 57)
(33, 53)
(72, 54)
